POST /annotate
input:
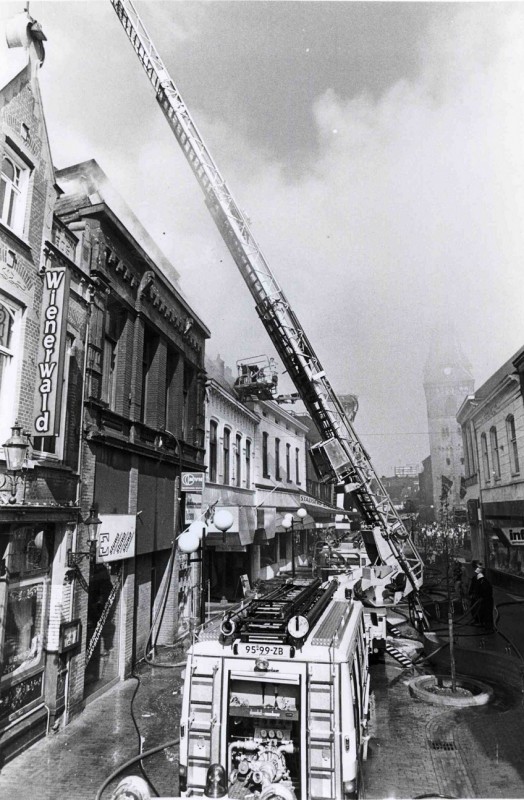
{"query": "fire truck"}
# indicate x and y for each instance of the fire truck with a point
(266, 696)
(277, 692)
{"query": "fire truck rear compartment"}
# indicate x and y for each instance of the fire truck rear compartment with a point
(263, 736)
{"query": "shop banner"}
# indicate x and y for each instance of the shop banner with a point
(50, 363)
(117, 537)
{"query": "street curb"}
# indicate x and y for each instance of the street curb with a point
(419, 687)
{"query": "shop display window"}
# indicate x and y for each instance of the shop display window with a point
(505, 557)
(23, 632)
(24, 561)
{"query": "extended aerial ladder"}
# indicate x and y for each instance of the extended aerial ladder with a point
(340, 456)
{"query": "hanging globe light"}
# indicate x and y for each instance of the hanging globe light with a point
(188, 542)
(223, 519)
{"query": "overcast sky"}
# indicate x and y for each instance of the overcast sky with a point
(377, 149)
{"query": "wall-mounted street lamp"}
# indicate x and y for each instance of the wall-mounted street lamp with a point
(194, 537)
(92, 523)
(15, 451)
(287, 523)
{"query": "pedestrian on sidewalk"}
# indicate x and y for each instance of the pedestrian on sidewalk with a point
(485, 595)
(474, 598)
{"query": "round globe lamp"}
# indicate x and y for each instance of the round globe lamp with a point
(188, 542)
(223, 519)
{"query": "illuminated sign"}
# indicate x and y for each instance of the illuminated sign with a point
(116, 539)
(50, 353)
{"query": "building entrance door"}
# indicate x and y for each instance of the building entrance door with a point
(103, 615)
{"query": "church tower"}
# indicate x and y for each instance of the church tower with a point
(448, 380)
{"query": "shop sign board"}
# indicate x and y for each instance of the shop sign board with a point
(116, 539)
(312, 501)
(192, 508)
(51, 352)
(192, 482)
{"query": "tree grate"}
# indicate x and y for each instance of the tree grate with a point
(439, 745)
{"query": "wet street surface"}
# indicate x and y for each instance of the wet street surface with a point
(73, 763)
(416, 749)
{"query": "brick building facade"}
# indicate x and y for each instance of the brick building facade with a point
(44, 301)
(102, 364)
(143, 423)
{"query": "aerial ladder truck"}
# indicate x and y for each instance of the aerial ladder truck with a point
(340, 456)
(245, 649)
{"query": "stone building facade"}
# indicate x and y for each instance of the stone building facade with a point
(492, 423)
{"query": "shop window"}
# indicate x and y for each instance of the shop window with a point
(226, 443)
(24, 560)
(512, 444)
(268, 553)
(10, 323)
(238, 460)
(13, 192)
(282, 547)
(495, 456)
(213, 438)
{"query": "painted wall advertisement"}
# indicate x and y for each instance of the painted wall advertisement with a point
(50, 352)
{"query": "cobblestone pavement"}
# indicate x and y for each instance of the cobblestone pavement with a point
(416, 749)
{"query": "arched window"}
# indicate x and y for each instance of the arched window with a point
(213, 428)
(248, 464)
(265, 457)
(485, 457)
(225, 454)
(495, 457)
(238, 461)
(512, 443)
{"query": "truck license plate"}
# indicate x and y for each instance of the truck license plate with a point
(269, 650)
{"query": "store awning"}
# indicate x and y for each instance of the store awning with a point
(318, 510)
(242, 531)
